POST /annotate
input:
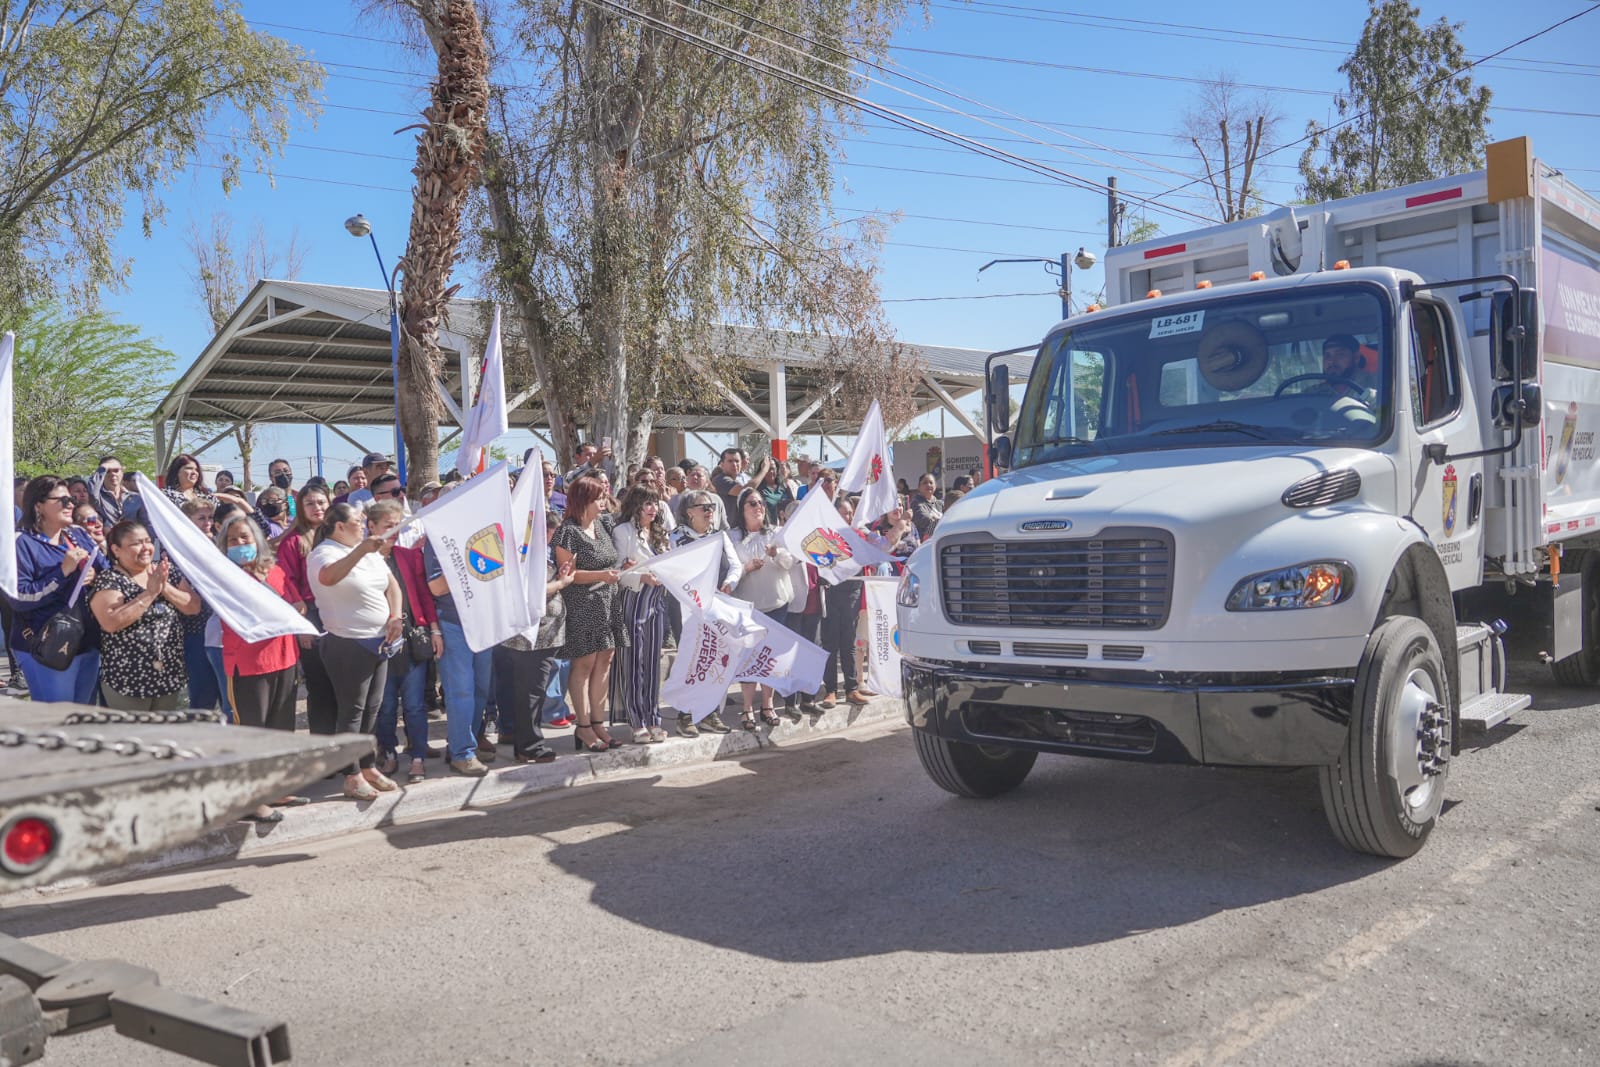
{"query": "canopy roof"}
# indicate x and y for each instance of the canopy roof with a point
(300, 352)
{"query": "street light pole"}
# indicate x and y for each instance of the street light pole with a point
(358, 226)
(1083, 258)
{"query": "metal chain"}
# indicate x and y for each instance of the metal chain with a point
(102, 716)
(55, 740)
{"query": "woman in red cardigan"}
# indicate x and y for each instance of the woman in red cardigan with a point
(261, 674)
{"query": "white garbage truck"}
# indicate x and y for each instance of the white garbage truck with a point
(1291, 499)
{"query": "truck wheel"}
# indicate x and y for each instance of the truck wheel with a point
(973, 771)
(1384, 793)
(1582, 668)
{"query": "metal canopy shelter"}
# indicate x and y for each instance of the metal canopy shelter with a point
(298, 352)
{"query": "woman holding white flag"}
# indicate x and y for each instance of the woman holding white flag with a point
(765, 583)
(700, 519)
(636, 670)
(594, 614)
(360, 605)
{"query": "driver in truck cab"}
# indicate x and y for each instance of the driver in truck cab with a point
(1353, 364)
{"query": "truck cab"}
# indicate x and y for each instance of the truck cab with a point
(1245, 524)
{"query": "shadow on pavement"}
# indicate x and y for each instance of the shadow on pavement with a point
(36, 920)
(1084, 852)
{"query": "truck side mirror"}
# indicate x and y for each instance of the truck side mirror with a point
(1514, 351)
(1000, 454)
(1504, 396)
(997, 401)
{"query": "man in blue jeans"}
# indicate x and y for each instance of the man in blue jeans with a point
(464, 676)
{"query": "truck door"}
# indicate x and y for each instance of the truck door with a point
(1450, 496)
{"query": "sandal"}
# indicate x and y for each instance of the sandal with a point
(291, 802)
(747, 719)
(360, 790)
(657, 735)
(389, 764)
(418, 772)
(255, 816)
(597, 745)
(769, 716)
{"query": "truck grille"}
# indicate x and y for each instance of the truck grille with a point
(1121, 580)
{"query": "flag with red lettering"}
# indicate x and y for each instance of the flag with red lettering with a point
(689, 572)
(715, 646)
(783, 660)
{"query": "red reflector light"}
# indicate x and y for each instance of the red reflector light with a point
(1433, 198)
(28, 842)
(1169, 250)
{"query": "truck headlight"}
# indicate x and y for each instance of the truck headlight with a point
(909, 592)
(1318, 584)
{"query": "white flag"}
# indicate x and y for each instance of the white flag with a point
(784, 660)
(487, 420)
(689, 572)
(816, 534)
(471, 529)
(8, 521)
(251, 609)
(883, 636)
(870, 470)
(527, 499)
(716, 644)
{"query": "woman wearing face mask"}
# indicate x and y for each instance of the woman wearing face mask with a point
(260, 674)
(137, 604)
(273, 512)
(293, 549)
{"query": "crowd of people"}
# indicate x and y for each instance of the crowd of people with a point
(104, 616)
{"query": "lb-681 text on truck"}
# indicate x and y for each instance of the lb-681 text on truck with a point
(1278, 505)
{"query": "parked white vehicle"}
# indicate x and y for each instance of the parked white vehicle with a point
(1278, 504)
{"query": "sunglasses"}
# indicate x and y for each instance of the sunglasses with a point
(390, 492)
(702, 507)
(59, 499)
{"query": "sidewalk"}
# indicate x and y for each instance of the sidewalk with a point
(330, 814)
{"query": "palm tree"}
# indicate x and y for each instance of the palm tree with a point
(449, 155)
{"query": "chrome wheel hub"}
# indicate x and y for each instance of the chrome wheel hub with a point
(1419, 742)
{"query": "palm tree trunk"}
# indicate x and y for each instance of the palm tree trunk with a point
(449, 154)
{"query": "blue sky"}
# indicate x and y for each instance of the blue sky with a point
(1103, 93)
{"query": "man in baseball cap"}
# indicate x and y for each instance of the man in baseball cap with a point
(373, 464)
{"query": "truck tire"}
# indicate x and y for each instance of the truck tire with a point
(1384, 794)
(972, 771)
(1582, 668)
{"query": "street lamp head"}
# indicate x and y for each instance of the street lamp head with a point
(1083, 260)
(360, 227)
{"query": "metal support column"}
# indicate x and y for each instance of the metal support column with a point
(778, 394)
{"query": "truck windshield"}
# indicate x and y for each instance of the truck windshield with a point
(1296, 367)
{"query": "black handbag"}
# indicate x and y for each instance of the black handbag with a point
(57, 643)
(419, 642)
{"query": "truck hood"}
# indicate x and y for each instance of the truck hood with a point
(1188, 486)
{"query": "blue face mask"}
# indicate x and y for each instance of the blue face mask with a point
(242, 554)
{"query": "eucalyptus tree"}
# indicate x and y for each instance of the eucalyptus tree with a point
(1411, 111)
(109, 101)
(657, 167)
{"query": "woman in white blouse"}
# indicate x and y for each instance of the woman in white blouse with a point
(765, 582)
(359, 601)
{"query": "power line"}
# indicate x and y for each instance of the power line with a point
(853, 99)
(974, 296)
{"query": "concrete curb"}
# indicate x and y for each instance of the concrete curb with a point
(332, 815)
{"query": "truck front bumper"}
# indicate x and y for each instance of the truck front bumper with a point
(1259, 720)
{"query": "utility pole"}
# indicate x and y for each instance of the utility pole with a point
(1112, 207)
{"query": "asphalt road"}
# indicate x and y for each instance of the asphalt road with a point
(828, 904)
